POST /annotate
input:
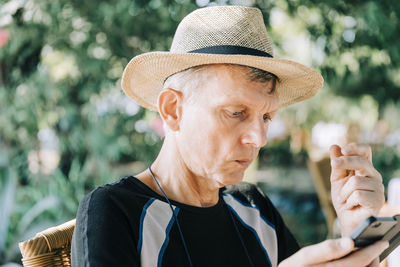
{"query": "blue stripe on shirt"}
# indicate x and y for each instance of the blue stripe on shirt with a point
(140, 240)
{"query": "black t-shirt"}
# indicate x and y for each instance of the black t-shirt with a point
(128, 224)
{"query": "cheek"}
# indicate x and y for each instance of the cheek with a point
(207, 140)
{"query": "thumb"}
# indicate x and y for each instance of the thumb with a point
(320, 253)
(337, 172)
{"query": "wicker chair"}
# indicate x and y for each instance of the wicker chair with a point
(51, 247)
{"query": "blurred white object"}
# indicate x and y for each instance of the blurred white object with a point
(394, 200)
(325, 134)
(276, 129)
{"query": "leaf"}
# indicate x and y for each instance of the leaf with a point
(7, 196)
(41, 206)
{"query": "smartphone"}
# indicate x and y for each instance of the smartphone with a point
(374, 229)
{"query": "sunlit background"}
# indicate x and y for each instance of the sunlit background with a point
(66, 127)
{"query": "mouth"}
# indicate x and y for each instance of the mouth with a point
(244, 162)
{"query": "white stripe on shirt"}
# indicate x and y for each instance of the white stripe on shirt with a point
(251, 218)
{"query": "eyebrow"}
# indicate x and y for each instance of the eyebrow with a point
(242, 105)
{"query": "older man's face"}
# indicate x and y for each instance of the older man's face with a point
(222, 131)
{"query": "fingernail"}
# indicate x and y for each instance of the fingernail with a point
(346, 243)
(384, 244)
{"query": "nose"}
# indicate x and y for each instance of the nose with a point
(255, 133)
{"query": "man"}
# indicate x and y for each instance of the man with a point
(216, 91)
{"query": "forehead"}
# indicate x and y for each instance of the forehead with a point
(230, 85)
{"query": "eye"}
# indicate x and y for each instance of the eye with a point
(237, 113)
(267, 117)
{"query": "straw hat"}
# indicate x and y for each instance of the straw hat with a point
(212, 35)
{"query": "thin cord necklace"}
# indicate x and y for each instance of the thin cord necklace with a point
(175, 217)
(180, 230)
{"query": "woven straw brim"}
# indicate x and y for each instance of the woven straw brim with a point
(144, 76)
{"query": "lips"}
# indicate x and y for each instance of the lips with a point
(244, 162)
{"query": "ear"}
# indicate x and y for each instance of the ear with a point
(170, 107)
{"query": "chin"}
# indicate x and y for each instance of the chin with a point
(231, 179)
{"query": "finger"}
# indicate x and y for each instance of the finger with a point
(370, 200)
(354, 149)
(337, 171)
(360, 164)
(362, 183)
(362, 257)
(324, 251)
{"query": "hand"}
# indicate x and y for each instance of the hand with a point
(356, 186)
(333, 253)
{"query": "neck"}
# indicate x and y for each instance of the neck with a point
(178, 181)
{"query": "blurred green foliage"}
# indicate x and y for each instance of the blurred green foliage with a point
(360, 40)
(60, 69)
(387, 160)
(357, 49)
(60, 80)
(279, 153)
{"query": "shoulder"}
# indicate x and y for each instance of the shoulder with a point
(102, 194)
(127, 196)
(127, 187)
(249, 201)
(112, 207)
(247, 193)
(107, 221)
(246, 196)
(243, 187)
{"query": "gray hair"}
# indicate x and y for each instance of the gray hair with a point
(188, 81)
